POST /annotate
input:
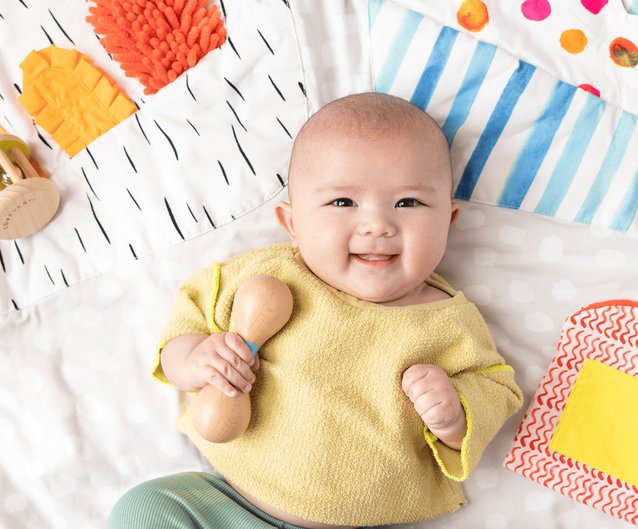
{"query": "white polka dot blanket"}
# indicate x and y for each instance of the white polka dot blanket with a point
(168, 144)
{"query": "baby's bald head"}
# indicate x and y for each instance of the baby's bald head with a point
(369, 117)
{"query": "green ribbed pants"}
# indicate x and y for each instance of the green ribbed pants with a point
(192, 500)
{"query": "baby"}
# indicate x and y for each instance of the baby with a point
(384, 388)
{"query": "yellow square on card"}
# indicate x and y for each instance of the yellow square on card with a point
(599, 425)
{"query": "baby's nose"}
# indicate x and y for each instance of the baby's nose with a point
(375, 224)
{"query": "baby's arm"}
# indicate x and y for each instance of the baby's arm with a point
(191, 361)
(434, 398)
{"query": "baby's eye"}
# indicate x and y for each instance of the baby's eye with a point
(408, 203)
(342, 203)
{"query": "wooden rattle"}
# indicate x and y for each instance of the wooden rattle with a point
(261, 307)
(27, 201)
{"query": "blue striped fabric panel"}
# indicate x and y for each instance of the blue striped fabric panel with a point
(499, 117)
(520, 138)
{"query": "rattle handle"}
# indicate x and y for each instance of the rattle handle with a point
(261, 307)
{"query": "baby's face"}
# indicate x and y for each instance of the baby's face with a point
(371, 217)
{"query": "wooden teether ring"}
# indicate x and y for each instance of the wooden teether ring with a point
(29, 202)
(27, 206)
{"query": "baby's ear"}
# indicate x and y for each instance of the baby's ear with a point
(283, 212)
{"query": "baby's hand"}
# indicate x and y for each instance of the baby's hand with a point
(434, 398)
(224, 361)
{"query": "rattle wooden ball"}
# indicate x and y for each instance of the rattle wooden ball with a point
(27, 201)
(261, 307)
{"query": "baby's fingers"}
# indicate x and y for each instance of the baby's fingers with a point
(257, 363)
(411, 376)
(426, 402)
(437, 411)
(235, 342)
(218, 380)
(226, 363)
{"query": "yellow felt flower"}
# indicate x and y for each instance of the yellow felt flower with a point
(70, 98)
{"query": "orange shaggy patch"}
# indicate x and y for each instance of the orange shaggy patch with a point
(154, 40)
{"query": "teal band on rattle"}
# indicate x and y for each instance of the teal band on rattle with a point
(253, 347)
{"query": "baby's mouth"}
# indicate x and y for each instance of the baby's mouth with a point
(374, 259)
